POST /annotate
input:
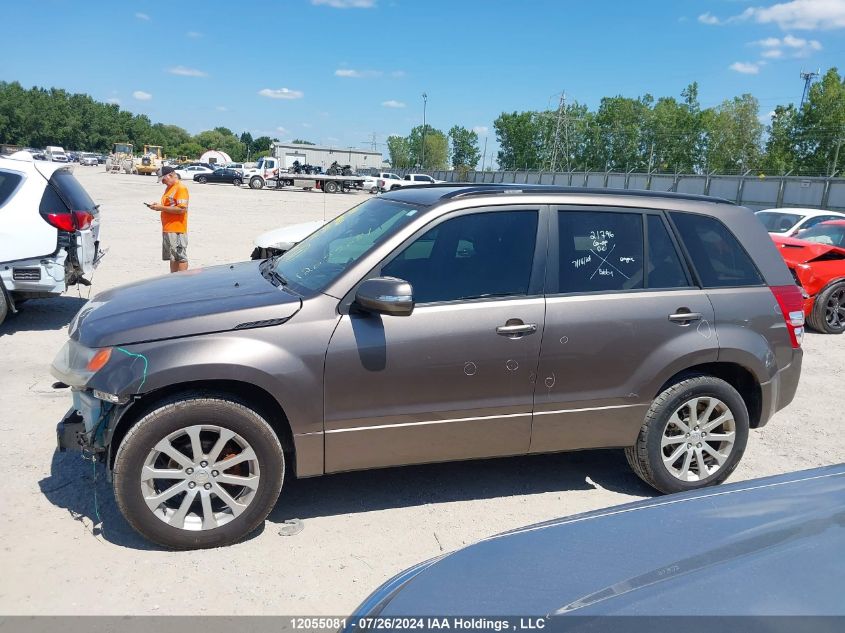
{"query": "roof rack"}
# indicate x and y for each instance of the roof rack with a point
(467, 190)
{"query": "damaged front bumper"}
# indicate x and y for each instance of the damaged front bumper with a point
(83, 426)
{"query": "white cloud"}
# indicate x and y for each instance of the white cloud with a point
(797, 46)
(746, 68)
(766, 119)
(113, 100)
(142, 16)
(346, 4)
(805, 15)
(357, 74)
(140, 95)
(222, 109)
(281, 93)
(184, 71)
(193, 34)
(392, 103)
(281, 130)
(397, 74)
(481, 130)
(307, 125)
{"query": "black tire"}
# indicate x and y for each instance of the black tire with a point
(374, 190)
(4, 304)
(646, 456)
(256, 183)
(202, 180)
(237, 182)
(828, 313)
(395, 187)
(330, 186)
(170, 417)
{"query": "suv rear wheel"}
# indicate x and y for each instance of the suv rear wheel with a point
(198, 471)
(693, 436)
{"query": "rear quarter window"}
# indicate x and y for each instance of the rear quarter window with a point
(73, 193)
(8, 183)
(718, 257)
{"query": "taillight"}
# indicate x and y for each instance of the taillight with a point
(792, 307)
(70, 221)
(381, 184)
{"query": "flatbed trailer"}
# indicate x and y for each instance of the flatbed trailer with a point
(324, 182)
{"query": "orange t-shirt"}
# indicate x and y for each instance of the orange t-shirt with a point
(176, 195)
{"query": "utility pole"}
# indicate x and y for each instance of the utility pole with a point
(808, 79)
(484, 160)
(562, 121)
(422, 160)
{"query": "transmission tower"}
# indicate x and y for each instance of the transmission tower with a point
(562, 121)
(808, 79)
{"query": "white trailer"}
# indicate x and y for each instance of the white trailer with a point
(269, 173)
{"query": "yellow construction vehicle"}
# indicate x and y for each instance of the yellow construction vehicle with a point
(121, 158)
(150, 161)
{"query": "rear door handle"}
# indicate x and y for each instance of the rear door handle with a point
(685, 318)
(515, 331)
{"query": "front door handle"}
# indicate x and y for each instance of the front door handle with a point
(685, 318)
(516, 330)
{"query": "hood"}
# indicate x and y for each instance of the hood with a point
(200, 301)
(796, 251)
(769, 546)
(287, 237)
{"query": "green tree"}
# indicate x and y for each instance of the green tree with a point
(399, 151)
(733, 135)
(301, 142)
(261, 144)
(520, 140)
(465, 152)
(436, 153)
(783, 141)
(823, 124)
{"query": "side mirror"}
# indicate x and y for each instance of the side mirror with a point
(385, 295)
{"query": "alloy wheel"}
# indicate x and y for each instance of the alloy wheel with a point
(834, 310)
(698, 439)
(200, 477)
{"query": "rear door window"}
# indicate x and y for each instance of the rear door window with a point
(718, 257)
(600, 251)
(665, 269)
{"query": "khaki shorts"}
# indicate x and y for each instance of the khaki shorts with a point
(174, 247)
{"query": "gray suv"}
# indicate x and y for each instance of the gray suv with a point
(430, 324)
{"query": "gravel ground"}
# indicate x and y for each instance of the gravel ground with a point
(358, 529)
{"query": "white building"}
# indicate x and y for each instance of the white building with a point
(214, 157)
(324, 155)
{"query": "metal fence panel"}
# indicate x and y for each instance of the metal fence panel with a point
(803, 192)
(595, 180)
(561, 179)
(662, 183)
(836, 197)
(761, 194)
(637, 181)
(616, 181)
(724, 187)
(547, 179)
(692, 184)
(531, 178)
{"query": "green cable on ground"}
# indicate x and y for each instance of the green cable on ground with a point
(142, 357)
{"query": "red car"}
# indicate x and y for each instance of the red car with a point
(816, 259)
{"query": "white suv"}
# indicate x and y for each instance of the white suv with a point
(49, 229)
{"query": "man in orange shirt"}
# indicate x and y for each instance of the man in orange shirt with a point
(174, 220)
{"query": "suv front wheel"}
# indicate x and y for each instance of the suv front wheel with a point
(198, 471)
(693, 436)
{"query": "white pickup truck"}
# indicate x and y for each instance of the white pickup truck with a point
(388, 184)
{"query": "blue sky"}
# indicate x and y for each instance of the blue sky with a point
(337, 71)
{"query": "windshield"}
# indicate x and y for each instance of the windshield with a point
(831, 234)
(776, 222)
(316, 262)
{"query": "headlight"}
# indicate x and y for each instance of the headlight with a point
(75, 364)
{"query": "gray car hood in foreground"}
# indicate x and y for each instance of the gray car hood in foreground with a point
(770, 546)
(200, 301)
